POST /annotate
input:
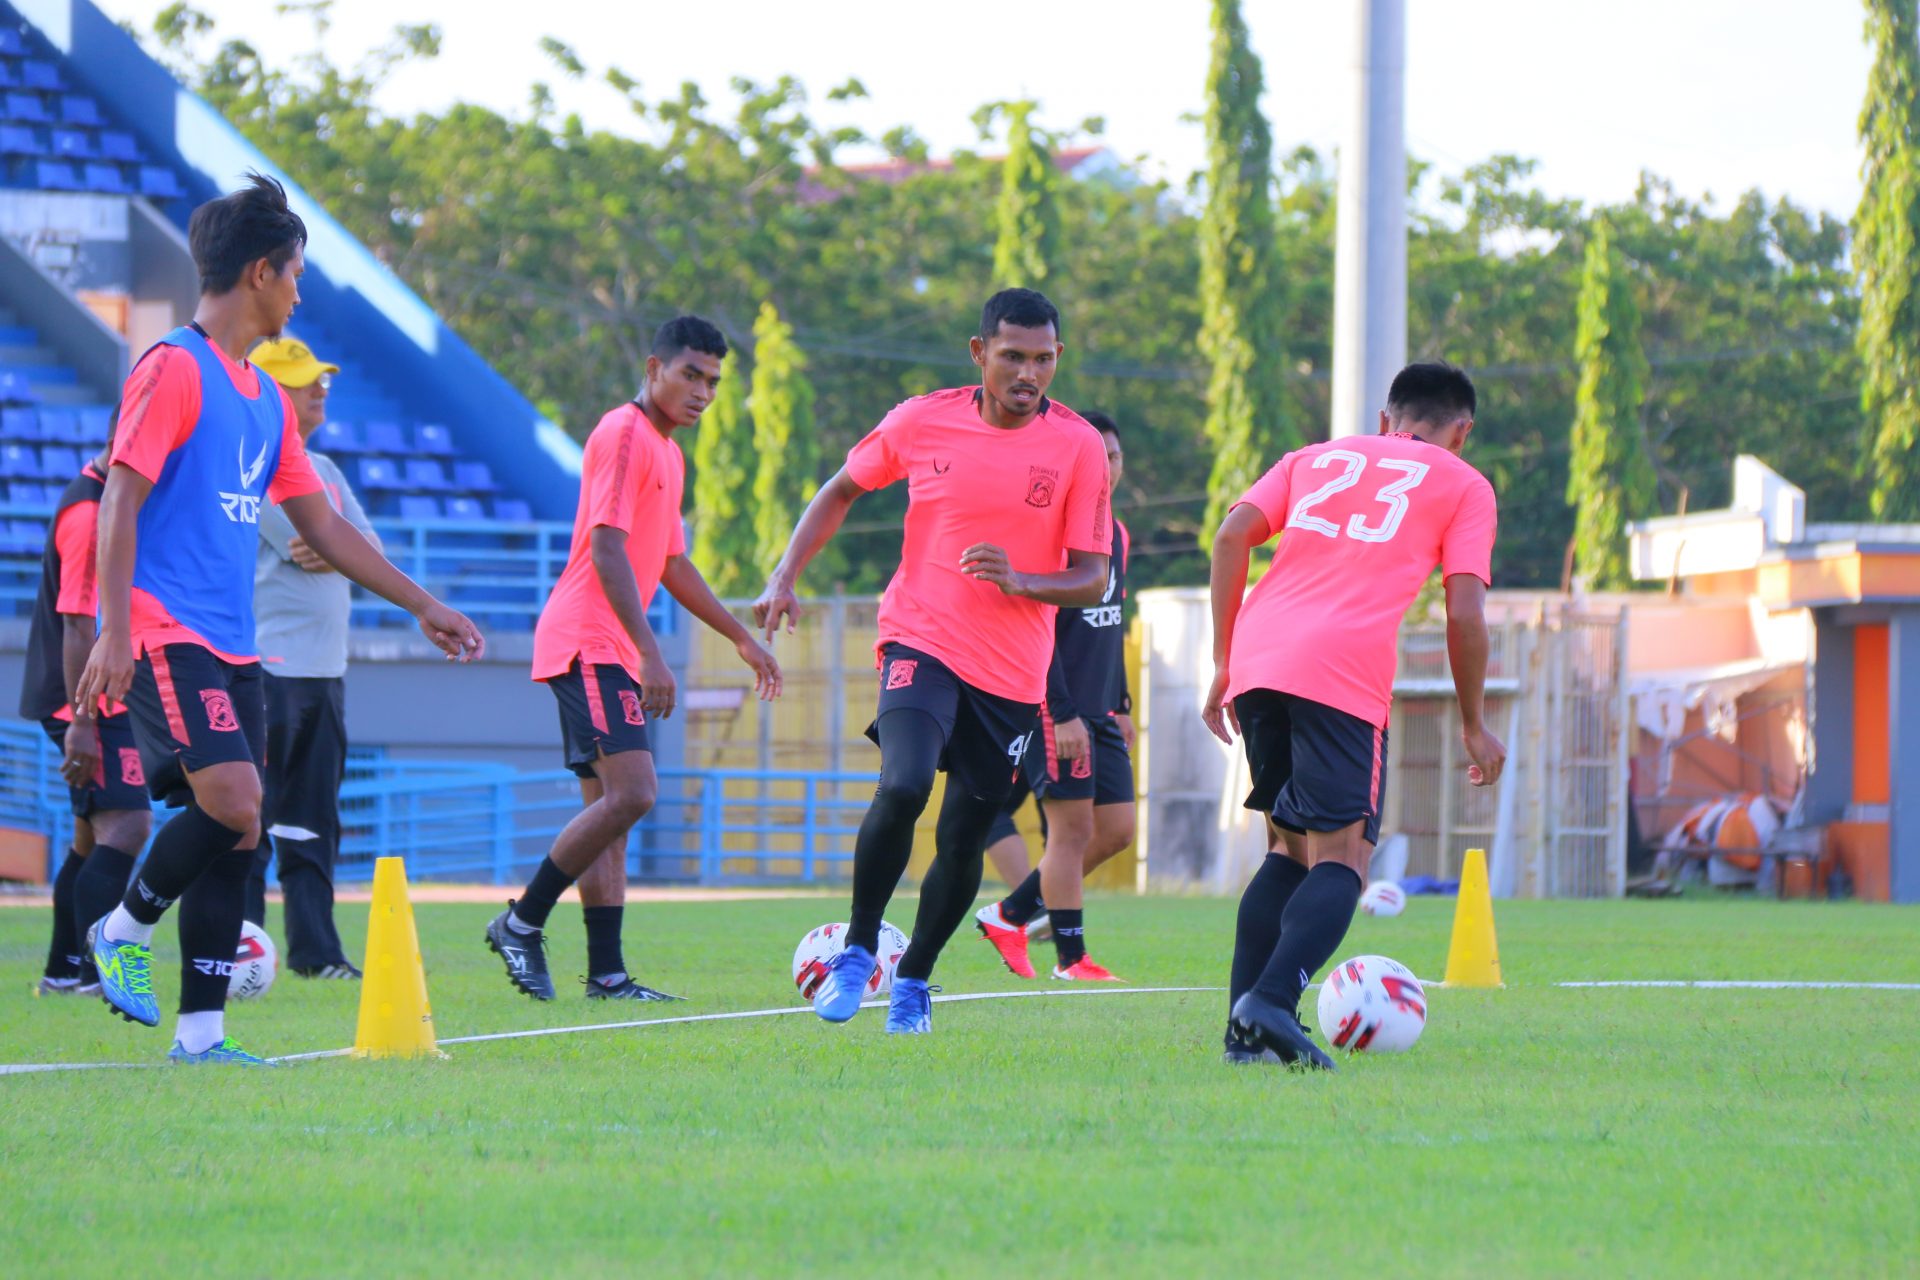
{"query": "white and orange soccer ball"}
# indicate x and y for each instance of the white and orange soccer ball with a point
(1383, 898)
(1372, 1004)
(255, 964)
(823, 944)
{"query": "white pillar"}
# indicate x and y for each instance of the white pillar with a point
(1370, 268)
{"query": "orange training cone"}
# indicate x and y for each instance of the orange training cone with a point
(395, 1020)
(1473, 959)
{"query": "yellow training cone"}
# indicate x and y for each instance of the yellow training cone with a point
(1473, 960)
(395, 1021)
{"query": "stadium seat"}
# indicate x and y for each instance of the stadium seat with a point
(433, 439)
(425, 473)
(26, 107)
(15, 389)
(11, 45)
(474, 477)
(413, 507)
(59, 462)
(336, 437)
(73, 144)
(107, 179)
(159, 183)
(41, 75)
(387, 438)
(38, 495)
(56, 175)
(28, 537)
(465, 509)
(120, 146)
(511, 509)
(19, 462)
(91, 425)
(60, 426)
(19, 140)
(19, 424)
(78, 108)
(378, 475)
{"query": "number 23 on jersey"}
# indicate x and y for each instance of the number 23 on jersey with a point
(1403, 475)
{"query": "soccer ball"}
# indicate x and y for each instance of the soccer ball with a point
(254, 964)
(1373, 1004)
(823, 944)
(1383, 898)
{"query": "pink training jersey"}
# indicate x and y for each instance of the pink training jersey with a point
(1366, 520)
(1036, 492)
(630, 479)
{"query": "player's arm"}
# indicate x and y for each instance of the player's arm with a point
(1071, 737)
(683, 581)
(80, 756)
(1245, 528)
(336, 541)
(109, 667)
(818, 523)
(1468, 646)
(1079, 585)
(607, 548)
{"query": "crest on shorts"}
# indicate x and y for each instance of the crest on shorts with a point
(1083, 767)
(1040, 485)
(630, 706)
(130, 771)
(900, 672)
(219, 711)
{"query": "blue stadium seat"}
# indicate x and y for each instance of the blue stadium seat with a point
(418, 507)
(59, 462)
(27, 107)
(60, 426)
(92, 424)
(73, 144)
(56, 175)
(434, 440)
(511, 509)
(19, 462)
(41, 75)
(11, 45)
(107, 179)
(159, 183)
(378, 475)
(120, 146)
(386, 437)
(15, 389)
(27, 537)
(38, 495)
(465, 509)
(19, 140)
(336, 437)
(474, 477)
(20, 424)
(78, 108)
(426, 474)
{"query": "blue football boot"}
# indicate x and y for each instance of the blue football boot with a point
(126, 977)
(225, 1052)
(910, 1011)
(845, 984)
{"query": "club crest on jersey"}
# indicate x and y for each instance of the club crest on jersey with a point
(900, 672)
(243, 507)
(1041, 482)
(219, 711)
(630, 707)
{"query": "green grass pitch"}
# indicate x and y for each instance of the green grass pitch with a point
(1534, 1131)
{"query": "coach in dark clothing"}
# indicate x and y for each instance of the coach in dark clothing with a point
(301, 609)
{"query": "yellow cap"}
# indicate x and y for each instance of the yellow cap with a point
(289, 362)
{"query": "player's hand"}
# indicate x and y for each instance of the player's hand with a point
(80, 756)
(658, 692)
(766, 670)
(1125, 724)
(306, 557)
(108, 674)
(452, 633)
(989, 564)
(777, 602)
(1072, 740)
(1218, 714)
(1488, 753)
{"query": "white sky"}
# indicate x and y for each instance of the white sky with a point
(1718, 95)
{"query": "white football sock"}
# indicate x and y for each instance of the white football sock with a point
(518, 925)
(199, 1032)
(122, 927)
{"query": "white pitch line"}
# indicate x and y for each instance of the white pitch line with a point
(1721, 985)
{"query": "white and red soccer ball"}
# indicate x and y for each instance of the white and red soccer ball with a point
(1383, 898)
(256, 961)
(823, 944)
(1371, 1004)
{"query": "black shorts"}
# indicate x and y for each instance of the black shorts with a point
(600, 714)
(986, 735)
(1104, 777)
(1314, 767)
(121, 780)
(1003, 824)
(191, 709)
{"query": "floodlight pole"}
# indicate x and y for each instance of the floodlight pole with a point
(1370, 268)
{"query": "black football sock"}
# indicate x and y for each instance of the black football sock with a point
(910, 746)
(953, 881)
(1311, 928)
(536, 903)
(1256, 930)
(211, 912)
(189, 843)
(1023, 904)
(603, 941)
(102, 880)
(63, 950)
(1070, 935)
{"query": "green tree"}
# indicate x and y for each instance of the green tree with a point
(1887, 258)
(1028, 214)
(723, 532)
(1610, 481)
(1239, 279)
(785, 442)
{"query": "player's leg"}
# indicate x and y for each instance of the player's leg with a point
(63, 973)
(1062, 872)
(118, 817)
(1004, 923)
(1266, 735)
(605, 738)
(603, 901)
(308, 730)
(1095, 806)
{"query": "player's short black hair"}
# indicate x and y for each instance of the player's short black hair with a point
(688, 333)
(1431, 391)
(1103, 423)
(1027, 308)
(240, 228)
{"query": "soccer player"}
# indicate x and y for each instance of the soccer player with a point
(594, 649)
(1007, 514)
(1082, 775)
(99, 762)
(301, 609)
(204, 439)
(1304, 671)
